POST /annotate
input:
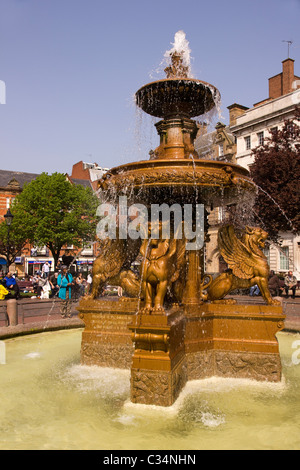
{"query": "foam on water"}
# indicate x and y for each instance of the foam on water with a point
(32, 355)
(104, 380)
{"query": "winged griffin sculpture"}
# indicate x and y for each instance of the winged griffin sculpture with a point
(113, 265)
(246, 261)
(161, 271)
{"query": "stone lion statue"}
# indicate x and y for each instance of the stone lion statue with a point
(246, 261)
(162, 270)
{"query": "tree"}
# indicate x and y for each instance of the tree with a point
(12, 242)
(56, 213)
(276, 172)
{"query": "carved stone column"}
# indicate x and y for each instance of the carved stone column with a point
(158, 371)
(192, 289)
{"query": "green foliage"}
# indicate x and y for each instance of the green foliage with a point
(12, 241)
(56, 213)
(276, 171)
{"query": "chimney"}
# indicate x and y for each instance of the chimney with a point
(281, 84)
(287, 76)
(235, 110)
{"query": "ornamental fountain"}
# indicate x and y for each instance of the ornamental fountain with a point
(175, 324)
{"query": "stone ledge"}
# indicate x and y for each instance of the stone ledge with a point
(39, 327)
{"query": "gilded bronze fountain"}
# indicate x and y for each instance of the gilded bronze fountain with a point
(174, 324)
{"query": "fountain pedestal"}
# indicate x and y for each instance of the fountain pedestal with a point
(106, 339)
(194, 342)
(158, 371)
(237, 341)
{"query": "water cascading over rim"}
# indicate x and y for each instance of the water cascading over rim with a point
(175, 164)
(176, 99)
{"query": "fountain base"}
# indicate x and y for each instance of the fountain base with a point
(164, 351)
(158, 371)
(236, 341)
(106, 339)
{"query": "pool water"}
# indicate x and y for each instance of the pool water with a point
(50, 402)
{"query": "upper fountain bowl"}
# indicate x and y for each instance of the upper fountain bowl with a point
(177, 97)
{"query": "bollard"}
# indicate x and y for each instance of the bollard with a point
(12, 312)
(2, 353)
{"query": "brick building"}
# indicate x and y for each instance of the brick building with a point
(11, 184)
(83, 172)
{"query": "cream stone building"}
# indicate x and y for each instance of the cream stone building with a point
(248, 128)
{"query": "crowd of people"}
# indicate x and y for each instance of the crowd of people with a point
(44, 284)
(279, 286)
(61, 283)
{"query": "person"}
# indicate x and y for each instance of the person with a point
(53, 284)
(89, 282)
(290, 282)
(3, 292)
(79, 283)
(65, 282)
(274, 284)
(40, 283)
(254, 290)
(12, 285)
(45, 294)
(46, 269)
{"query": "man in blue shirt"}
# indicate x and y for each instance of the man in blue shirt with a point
(12, 285)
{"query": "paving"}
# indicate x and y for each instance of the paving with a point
(39, 315)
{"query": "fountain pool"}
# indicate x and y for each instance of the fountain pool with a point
(49, 401)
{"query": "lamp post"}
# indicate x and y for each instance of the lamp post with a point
(8, 219)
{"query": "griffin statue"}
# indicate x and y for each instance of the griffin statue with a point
(246, 262)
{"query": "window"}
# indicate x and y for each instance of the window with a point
(7, 202)
(284, 258)
(221, 150)
(266, 252)
(260, 138)
(248, 142)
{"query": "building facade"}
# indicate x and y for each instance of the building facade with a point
(251, 128)
(248, 128)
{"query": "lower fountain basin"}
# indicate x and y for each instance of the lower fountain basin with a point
(50, 401)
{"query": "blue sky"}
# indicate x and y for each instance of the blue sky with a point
(71, 68)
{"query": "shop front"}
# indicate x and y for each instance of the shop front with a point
(32, 265)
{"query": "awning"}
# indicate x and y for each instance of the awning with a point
(38, 261)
